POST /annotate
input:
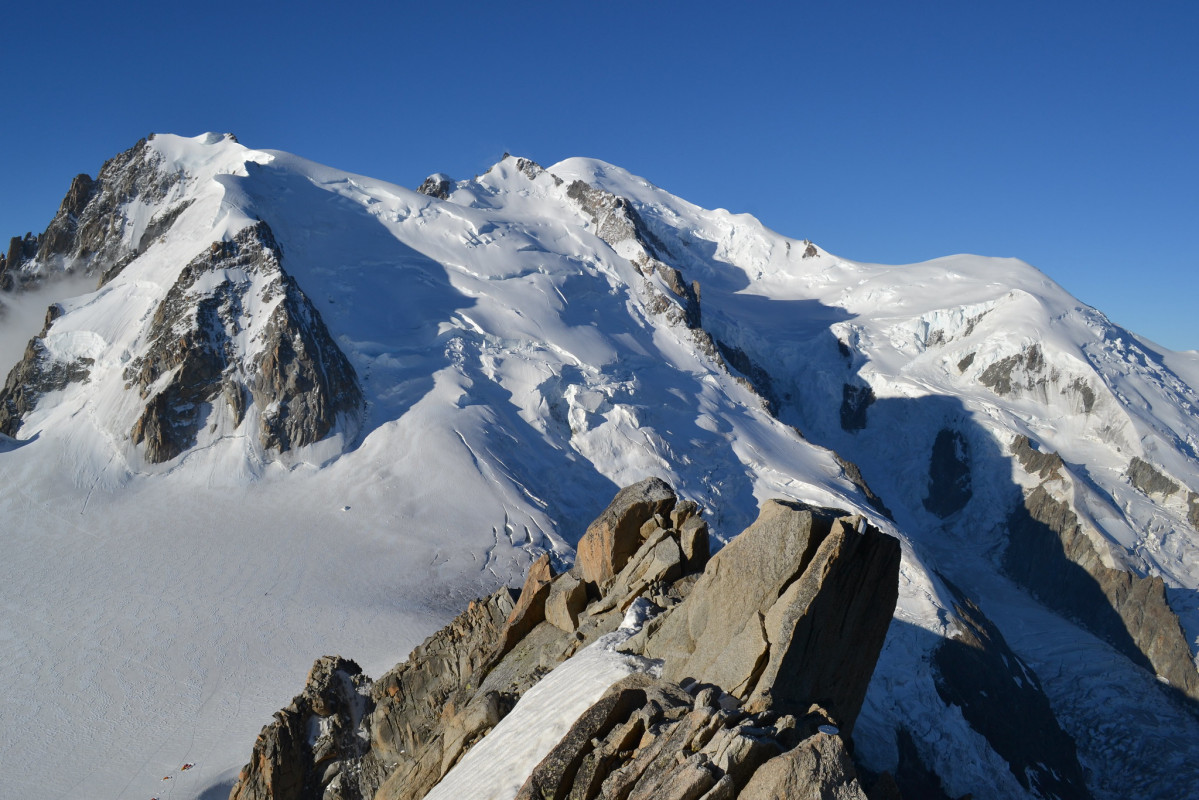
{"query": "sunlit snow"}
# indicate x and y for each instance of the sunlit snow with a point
(155, 616)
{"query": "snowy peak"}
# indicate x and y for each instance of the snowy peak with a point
(237, 328)
(231, 335)
(443, 381)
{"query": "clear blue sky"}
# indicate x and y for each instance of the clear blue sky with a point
(1063, 133)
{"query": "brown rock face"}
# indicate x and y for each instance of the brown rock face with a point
(717, 636)
(793, 609)
(827, 629)
(567, 599)
(287, 762)
(610, 541)
(559, 770)
(530, 606)
(416, 699)
(818, 769)
(300, 381)
(649, 739)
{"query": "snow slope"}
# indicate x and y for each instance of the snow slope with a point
(518, 368)
(496, 767)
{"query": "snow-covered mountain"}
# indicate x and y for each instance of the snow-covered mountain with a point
(298, 411)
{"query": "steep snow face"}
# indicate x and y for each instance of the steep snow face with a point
(522, 347)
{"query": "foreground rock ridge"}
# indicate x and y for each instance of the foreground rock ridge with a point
(755, 663)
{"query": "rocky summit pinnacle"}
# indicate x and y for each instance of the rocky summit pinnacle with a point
(761, 674)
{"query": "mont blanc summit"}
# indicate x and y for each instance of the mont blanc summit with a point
(264, 411)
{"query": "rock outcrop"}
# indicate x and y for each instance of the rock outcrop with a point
(949, 479)
(1149, 480)
(1044, 465)
(1049, 552)
(437, 185)
(818, 768)
(1027, 374)
(299, 379)
(616, 535)
(793, 611)
(855, 400)
(655, 740)
(93, 231)
(765, 650)
(300, 752)
(1022, 373)
(37, 373)
(615, 220)
(752, 375)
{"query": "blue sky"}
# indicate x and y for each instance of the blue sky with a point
(1062, 133)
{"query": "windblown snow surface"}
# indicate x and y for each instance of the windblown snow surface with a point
(517, 373)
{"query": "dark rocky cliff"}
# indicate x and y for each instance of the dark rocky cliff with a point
(1050, 554)
(37, 373)
(299, 380)
(195, 356)
(92, 232)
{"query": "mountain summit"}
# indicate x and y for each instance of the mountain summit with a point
(276, 410)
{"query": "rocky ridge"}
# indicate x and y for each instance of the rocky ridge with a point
(92, 233)
(298, 379)
(616, 221)
(1051, 554)
(668, 293)
(761, 678)
(234, 329)
(36, 374)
